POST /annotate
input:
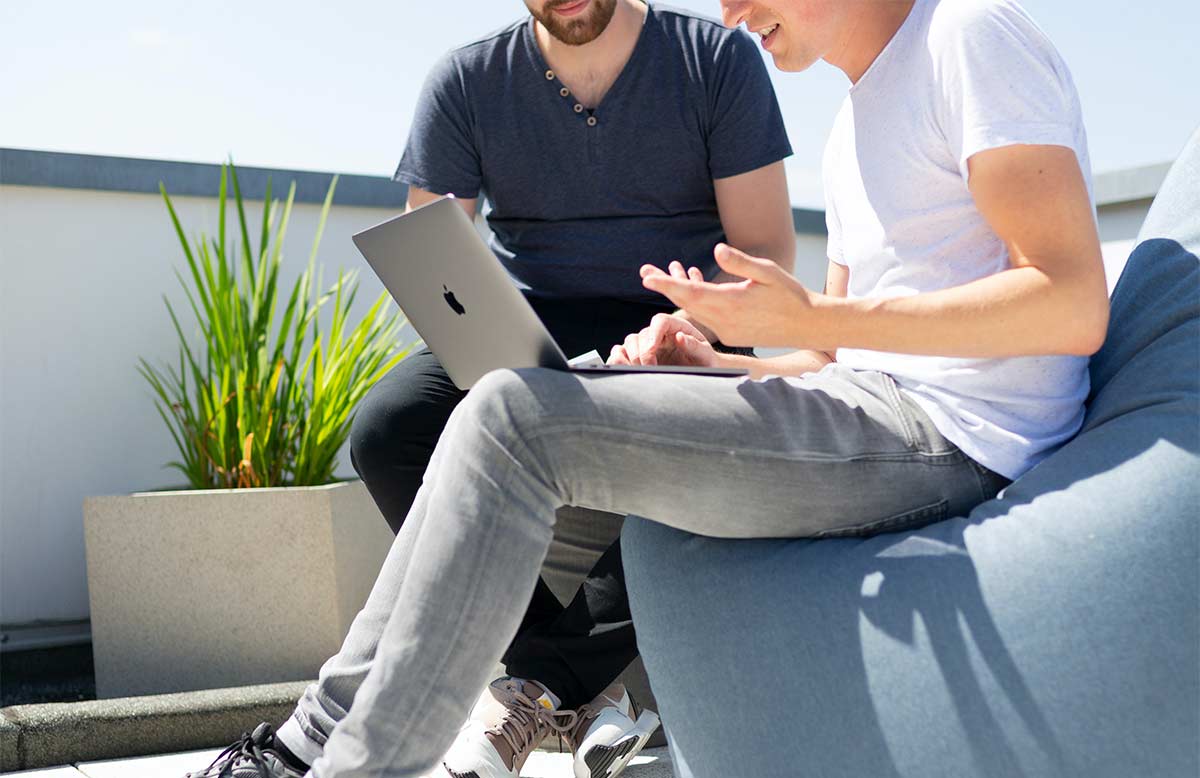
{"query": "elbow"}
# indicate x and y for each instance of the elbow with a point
(1081, 302)
(784, 252)
(1089, 330)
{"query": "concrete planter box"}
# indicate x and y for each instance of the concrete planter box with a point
(210, 589)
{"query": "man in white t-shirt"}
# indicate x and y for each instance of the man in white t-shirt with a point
(946, 355)
(964, 259)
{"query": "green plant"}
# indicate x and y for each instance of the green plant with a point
(262, 401)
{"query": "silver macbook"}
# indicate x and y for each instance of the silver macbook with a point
(461, 301)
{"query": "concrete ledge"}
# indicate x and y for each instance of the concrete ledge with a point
(52, 734)
(30, 167)
(24, 167)
(1130, 185)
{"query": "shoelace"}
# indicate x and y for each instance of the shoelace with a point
(527, 721)
(247, 749)
(584, 714)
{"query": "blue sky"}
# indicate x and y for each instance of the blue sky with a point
(308, 85)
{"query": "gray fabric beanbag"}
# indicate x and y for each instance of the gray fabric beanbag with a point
(1052, 632)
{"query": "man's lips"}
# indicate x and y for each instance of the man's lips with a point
(769, 39)
(571, 9)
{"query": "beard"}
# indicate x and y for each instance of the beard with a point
(579, 30)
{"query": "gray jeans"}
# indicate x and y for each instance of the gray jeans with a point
(831, 453)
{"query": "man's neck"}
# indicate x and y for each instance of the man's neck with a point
(586, 69)
(869, 30)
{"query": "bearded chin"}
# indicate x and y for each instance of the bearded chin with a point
(578, 32)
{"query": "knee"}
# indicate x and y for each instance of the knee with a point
(503, 406)
(378, 433)
(397, 423)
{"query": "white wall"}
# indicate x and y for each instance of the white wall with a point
(81, 279)
(82, 274)
(811, 261)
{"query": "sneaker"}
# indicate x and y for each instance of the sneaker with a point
(254, 756)
(510, 720)
(609, 733)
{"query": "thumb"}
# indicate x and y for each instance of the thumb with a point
(741, 264)
(692, 350)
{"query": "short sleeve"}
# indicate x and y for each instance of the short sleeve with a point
(830, 171)
(833, 226)
(1003, 83)
(746, 129)
(441, 155)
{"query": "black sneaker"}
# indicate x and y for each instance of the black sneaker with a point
(254, 756)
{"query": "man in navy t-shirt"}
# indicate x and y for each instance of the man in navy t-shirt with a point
(602, 135)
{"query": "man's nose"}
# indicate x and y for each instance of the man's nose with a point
(734, 12)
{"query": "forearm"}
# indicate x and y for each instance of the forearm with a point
(1018, 312)
(794, 364)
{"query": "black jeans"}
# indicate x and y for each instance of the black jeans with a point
(577, 650)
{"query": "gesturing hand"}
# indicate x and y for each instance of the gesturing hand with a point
(667, 340)
(768, 308)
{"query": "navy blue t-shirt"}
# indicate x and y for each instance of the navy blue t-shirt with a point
(579, 199)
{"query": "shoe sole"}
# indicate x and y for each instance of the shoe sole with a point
(610, 761)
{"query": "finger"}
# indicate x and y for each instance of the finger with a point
(689, 327)
(631, 348)
(618, 356)
(650, 270)
(658, 322)
(649, 340)
(743, 265)
(676, 294)
(677, 270)
(659, 330)
(695, 274)
(691, 350)
(673, 288)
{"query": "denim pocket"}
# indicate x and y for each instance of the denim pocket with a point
(912, 519)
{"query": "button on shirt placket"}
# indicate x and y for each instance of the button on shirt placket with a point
(591, 120)
(593, 138)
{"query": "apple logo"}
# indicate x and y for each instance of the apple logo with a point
(453, 302)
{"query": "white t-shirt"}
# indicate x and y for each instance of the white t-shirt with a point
(958, 78)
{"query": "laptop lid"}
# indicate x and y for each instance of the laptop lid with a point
(456, 293)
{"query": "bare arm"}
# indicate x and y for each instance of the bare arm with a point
(756, 216)
(419, 197)
(1052, 300)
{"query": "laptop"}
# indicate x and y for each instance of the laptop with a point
(462, 302)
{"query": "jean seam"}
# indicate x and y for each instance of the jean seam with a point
(314, 735)
(954, 457)
(904, 520)
(893, 393)
(401, 738)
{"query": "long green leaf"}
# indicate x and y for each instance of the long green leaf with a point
(264, 396)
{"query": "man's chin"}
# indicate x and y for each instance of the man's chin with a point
(575, 38)
(580, 32)
(791, 64)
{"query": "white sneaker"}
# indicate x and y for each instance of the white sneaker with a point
(606, 737)
(508, 722)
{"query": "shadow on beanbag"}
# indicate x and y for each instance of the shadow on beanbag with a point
(1053, 632)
